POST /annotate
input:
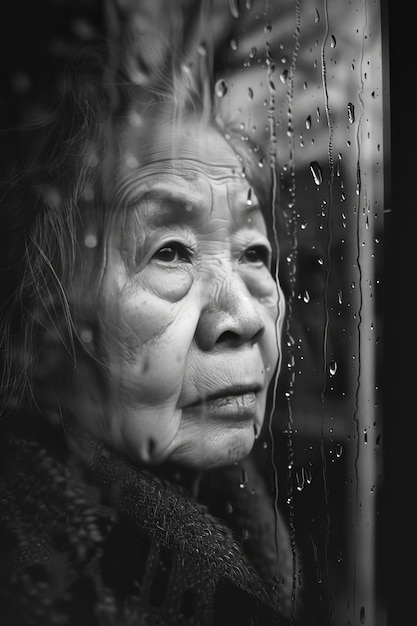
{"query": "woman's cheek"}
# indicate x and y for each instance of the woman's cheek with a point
(262, 287)
(265, 290)
(168, 284)
(148, 339)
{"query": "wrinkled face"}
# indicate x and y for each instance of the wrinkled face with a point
(189, 313)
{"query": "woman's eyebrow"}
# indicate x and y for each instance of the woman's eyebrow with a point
(161, 207)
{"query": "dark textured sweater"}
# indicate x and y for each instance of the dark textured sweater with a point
(88, 539)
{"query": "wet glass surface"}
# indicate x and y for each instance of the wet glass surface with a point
(302, 84)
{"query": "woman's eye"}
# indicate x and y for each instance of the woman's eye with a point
(256, 255)
(173, 252)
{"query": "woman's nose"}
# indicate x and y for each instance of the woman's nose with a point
(231, 318)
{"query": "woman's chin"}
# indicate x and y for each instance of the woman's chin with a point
(188, 442)
(214, 449)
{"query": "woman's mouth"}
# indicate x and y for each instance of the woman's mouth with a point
(237, 404)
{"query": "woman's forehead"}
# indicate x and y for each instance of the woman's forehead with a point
(172, 199)
(190, 161)
(189, 166)
(191, 184)
(198, 145)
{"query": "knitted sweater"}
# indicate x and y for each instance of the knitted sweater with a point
(88, 539)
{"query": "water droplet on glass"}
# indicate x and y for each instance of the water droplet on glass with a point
(52, 197)
(283, 76)
(243, 479)
(131, 161)
(249, 200)
(317, 17)
(82, 29)
(88, 193)
(340, 296)
(234, 9)
(261, 162)
(91, 158)
(351, 112)
(220, 88)
(249, 4)
(308, 122)
(202, 49)
(300, 479)
(306, 296)
(316, 172)
(21, 82)
(318, 114)
(333, 41)
(267, 28)
(233, 44)
(229, 507)
(90, 240)
(250, 93)
(135, 119)
(362, 614)
(332, 368)
(86, 335)
(339, 450)
(365, 436)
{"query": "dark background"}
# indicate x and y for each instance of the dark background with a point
(398, 541)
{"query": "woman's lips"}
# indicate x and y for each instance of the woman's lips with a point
(239, 405)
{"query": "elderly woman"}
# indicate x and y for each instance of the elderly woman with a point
(141, 327)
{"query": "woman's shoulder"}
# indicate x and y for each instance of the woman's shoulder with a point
(104, 541)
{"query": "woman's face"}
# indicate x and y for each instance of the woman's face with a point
(189, 315)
